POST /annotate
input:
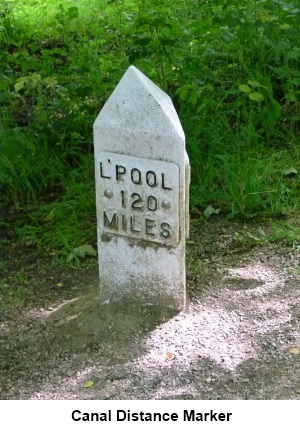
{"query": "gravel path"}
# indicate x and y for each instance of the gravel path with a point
(239, 338)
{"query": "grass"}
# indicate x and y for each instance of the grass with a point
(13, 294)
(231, 68)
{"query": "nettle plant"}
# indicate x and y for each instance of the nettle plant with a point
(262, 96)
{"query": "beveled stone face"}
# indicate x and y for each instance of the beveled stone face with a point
(142, 180)
(139, 198)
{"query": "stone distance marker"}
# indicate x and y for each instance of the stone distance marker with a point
(142, 181)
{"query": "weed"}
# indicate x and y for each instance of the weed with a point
(14, 292)
(287, 232)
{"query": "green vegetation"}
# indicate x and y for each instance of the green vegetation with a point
(14, 291)
(232, 69)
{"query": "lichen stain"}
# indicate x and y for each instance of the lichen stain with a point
(133, 242)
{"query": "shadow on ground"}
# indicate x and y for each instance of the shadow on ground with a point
(234, 343)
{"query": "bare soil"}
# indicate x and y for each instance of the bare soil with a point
(238, 339)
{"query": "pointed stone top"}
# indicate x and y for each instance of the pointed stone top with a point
(139, 107)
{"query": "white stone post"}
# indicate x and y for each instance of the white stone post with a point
(142, 181)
